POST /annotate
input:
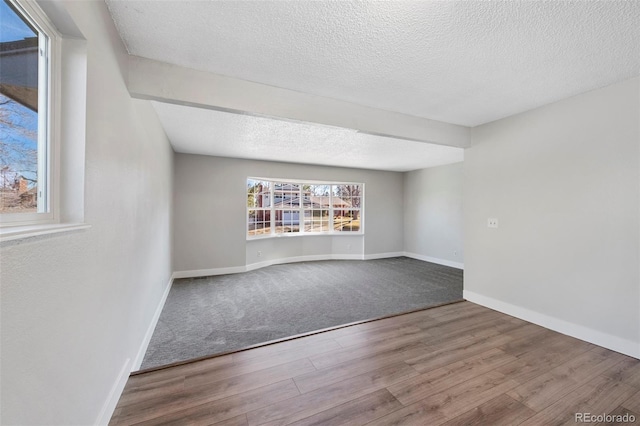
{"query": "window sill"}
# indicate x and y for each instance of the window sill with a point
(305, 234)
(23, 232)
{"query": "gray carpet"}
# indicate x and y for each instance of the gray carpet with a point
(205, 316)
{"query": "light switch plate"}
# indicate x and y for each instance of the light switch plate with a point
(492, 222)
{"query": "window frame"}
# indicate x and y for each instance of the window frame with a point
(301, 209)
(48, 121)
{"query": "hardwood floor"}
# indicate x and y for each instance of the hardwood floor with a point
(459, 364)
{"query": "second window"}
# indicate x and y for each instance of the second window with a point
(276, 207)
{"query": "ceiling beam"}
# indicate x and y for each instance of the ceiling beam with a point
(164, 82)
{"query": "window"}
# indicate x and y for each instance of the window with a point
(25, 115)
(289, 207)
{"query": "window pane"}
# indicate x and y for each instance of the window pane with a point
(259, 222)
(286, 195)
(348, 193)
(319, 190)
(346, 220)
(20, 102)
(316, 220)
(252, 200)
(258, 193)
(287, 221)
(318, 196)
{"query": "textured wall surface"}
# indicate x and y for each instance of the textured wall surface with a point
(563, 181)
(76, 306)
(433, 213)
(460, 62)
(210, 213)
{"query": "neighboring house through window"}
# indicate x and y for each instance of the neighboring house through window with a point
(276, 207)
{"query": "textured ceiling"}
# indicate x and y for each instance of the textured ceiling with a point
(461, 62)
(210, 132)
(465, 63)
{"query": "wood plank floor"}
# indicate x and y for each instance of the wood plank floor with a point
(459, 364)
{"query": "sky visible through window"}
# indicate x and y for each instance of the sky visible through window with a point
(12, 27)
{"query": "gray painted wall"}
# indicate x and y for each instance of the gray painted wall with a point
(210, 223)
(433, 213)
(76, 306)
(563, 181)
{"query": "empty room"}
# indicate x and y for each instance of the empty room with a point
(319, 212)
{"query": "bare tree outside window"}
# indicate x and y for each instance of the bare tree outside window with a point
(347, 215)
(18, 157)
(19, 120)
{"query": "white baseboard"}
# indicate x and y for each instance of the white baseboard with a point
(444, 262)
(109, 405)
(599, 338)
(347, 257)
(195, 273)
(264, 264)
(309, 258)
(152, 326)
(383, 255)
(116, 390)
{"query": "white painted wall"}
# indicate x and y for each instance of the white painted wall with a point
(76, 306)
(433, 214)
(564, 182)
(210, 222)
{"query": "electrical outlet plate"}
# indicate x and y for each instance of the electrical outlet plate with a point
(492, 222)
